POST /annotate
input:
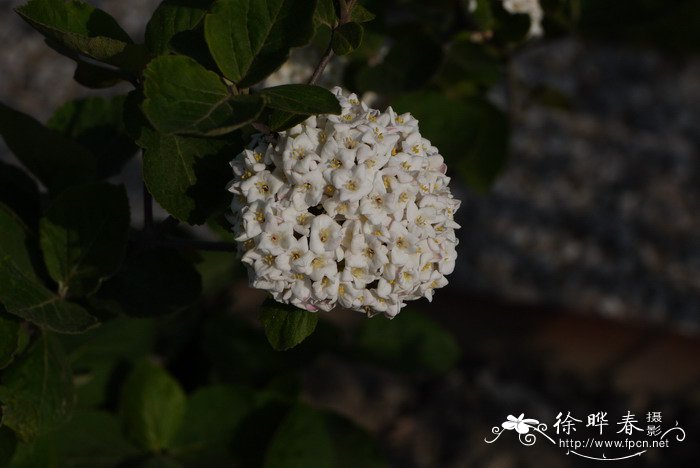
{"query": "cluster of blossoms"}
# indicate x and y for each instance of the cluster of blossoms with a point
(351, 209)
(532, 8)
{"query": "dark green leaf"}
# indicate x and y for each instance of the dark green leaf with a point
(184, 97)
(92, 439)
(325, 13)
(411, 342)
(152, 407)
(302, 99)
(11, 337)
(159, 461)
(280, 120)
(55, 160)
(85, 30)
(97, 355)
(193, 45)
(187, 176)
(302, 440)
(14, 241)
(472, 134)
(144, 287)
(23, 296)
(482, 15)
(470, 63)
(228, 340)
(97, 124)
(509, 27)
(37, 391)
(8, 444)
(361, 14)
(83, 237)
(347, 38)
(19, 192)
(352, 445)
(286, 326)
(172, 17)
(410, 64)
(249, 39)
(213, 416)
(308, 437)
(96, 77)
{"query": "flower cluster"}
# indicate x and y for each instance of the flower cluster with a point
(351, 209)
(532, 8)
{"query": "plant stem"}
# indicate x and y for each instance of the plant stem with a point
(346, 7)
(327, 56)
(147, 209)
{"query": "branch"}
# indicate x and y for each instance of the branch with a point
(346, 7)
(147, 209)
(327, 56)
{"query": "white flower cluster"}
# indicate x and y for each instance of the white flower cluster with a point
(531, 8)
(527, 7)
(351, 209)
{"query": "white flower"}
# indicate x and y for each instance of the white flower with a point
(352, 210)
(527, 7)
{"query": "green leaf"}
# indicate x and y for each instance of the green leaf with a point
(308, 437)
(11, 338)
(84, 30)
(409, 65)
(96, 356)
(361, 14)
(302, 99)
(347, 37)
(187, 176)
(279, 121)
(471, 63)
(482, 15)
(14, 241)
(472, 134)
(144, 286)
(302, 440)
(184, 97)
(152, 407)
(98, 125)
(173, 17)
(286, 326)
(8, 444)
(83, 237)
(249, 39)
(23, 296)
(91, 439)
(326, 14)
(213, 416)
(411, 342)
(96, 77)
(20, 193)
(37, 391)
(55, 160)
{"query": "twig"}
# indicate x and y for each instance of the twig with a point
(346, 7)
(327, 56)
(147, 209)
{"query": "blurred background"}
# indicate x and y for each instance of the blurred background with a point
(578, 280)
